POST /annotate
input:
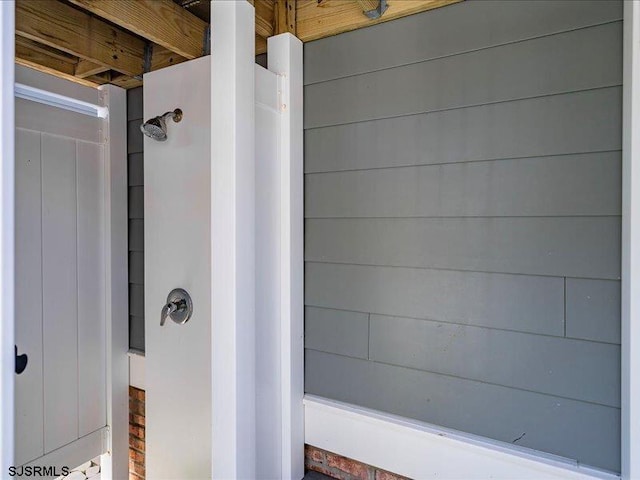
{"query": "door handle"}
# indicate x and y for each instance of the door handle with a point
(21, 361)
(178, 308)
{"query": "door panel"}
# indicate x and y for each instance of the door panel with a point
(28, 385)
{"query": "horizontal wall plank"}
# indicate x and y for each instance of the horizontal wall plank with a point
(593, 309)
(585, 432)
(480, 24)
(587, 184)
(586, 247)
(520, 360)
(524, 128)
(576, 60)
(136, 235)
(136, 202)
(136, 332)
(135, 165)
(136, 267)
(134, 103)
(515, 302)
(134, 136)
(136, 300)
(337, 331)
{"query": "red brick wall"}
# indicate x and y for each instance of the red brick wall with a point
(343, 468)
(136, 433)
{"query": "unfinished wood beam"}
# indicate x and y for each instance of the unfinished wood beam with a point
(87, 68)
(285, 15)
(65, 28)
(318, 19)
(265, 20)
(160, 21)
(38, 59)
(261, 45)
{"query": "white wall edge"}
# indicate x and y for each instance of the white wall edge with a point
(420, 450)
(285, 59)
(136, 370)
(7, 234)
(630, 268)
(116, 462)
(233, 240)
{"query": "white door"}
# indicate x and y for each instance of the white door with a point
(60, 284)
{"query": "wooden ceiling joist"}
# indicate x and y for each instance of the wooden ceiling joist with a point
(265, 22)
(322, 18)
(87, 68)
(29, 54)
(65, 28)
(104, 41)
(160, 21)
(285, 16)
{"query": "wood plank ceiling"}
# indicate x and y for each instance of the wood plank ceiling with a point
(93, 42)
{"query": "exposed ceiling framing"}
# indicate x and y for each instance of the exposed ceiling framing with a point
(93, 42)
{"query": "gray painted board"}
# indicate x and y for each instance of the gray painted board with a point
(29, 408)
(593, 309)
(515, 302)
(136, 300)
(135, 169)
(582, 431)
(524, 128)
(59, 291)
(428, 35)
(134, 136)
(134, 103)
(564, 246)
(136, 333)
(576, 60)
(492, 188)
(337, 331)
(136, 235)
(136, 267)
(574, 369)
(136, 202)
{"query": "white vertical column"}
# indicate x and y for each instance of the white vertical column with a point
(7, 133)
(285, 59)
(630, 399)
(116, 464)
(232, 240)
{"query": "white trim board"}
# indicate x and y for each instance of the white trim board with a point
(630, 396)
(7, 233)
(419, 450)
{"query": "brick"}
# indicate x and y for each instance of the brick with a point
(136, 431)
(138, 469)
(136, 419)
(136, 407)
(357, 470)
(315, 454)
(384, 475)
(137, 444)
(133, 476)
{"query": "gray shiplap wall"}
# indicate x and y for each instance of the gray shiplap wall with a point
(462, 233)
(136, 219)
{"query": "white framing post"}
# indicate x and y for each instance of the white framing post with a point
(233, 240)
(7, 203)
(116, 464)
(630, 398)
(285, 59)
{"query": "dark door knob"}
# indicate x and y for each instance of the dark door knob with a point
(21, 361)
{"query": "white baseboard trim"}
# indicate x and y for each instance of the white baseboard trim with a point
(136, 370)
(419, 450)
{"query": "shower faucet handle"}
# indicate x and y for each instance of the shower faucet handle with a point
(178, 308)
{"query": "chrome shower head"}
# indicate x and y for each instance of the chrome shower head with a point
(156, 127)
